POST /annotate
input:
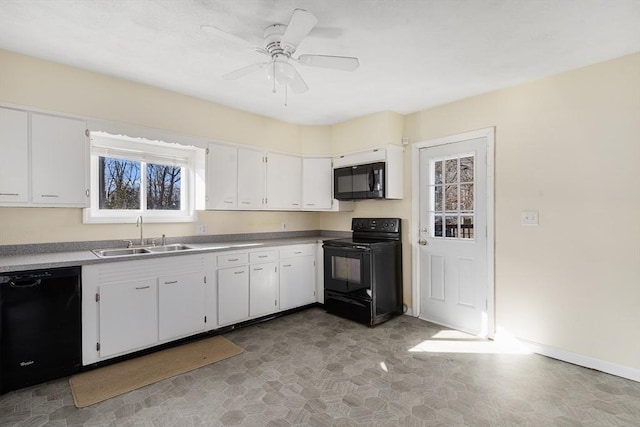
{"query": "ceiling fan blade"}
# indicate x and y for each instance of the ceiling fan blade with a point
(297, 83)
(217, 32)
(300, 24)
(241, 72)
(345, 63)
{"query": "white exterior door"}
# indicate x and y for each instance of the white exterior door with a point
(452, 235)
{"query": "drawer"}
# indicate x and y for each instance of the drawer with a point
(230, 260)
(263, 256)
(296, 251)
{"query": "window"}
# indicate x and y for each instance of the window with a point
(135, 176)
(452, 197)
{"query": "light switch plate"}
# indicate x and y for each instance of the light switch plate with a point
(529, 218)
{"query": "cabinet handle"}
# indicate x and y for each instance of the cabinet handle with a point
(9, 194)
(86, 193)
(297, 253)
(295, 204)
(286, 265)
(227, 201)
(257, 269)
(246, 203)
(171, 282)
(233, 259)
(142, 287)
(262, 256)
(238, 272)
(311, 204)
(49, 195)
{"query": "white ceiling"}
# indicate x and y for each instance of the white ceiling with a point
(414, 54)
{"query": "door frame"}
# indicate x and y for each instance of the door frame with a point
(489, 134)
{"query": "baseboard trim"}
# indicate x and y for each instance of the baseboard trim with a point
(582, 360)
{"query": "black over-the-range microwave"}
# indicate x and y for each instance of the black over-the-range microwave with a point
(359, 182)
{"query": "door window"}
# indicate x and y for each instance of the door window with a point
(451, 192)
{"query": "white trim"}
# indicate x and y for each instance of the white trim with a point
(584, 361)
(489, 134)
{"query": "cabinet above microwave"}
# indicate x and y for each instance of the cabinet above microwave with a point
(391, 156)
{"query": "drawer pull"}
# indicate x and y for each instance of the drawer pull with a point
(139, 288)
(257, 269)
(245, 203)
(171, 282)
(233, 259)
(263, 256)
(238, 272)
(9, 194)
(228, 202)
(286, 265)
(297, 253)
(49, 195)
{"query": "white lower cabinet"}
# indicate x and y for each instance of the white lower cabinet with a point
(128, 316)
(263, 289)
(297, 276)
(132, 305)
(181, 303)
(233, 295)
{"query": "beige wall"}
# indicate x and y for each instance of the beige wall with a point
(567, 146)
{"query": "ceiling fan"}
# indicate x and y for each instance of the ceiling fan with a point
(280, 43)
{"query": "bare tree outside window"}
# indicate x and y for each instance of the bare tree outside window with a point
(120, 182)
(163, 187)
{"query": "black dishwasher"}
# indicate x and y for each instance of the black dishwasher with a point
(40, 332)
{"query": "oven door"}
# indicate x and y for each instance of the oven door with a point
(347, 269)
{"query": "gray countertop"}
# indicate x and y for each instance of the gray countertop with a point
(33, 261)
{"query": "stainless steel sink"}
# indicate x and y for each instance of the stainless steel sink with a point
(120, 252)
(169, 248)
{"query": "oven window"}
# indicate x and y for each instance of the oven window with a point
(344, 268)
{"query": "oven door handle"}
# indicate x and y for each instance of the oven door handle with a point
(354, 248)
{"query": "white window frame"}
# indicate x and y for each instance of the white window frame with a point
(142, 150)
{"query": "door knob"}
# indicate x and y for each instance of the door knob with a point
(422, 242)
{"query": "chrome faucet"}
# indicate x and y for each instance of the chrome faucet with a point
(139, 224)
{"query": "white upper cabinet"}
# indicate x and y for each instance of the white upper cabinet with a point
(59, 156)
(222, 177)
(317, 192)
(251, 178)
(14, 156)
(284, 181)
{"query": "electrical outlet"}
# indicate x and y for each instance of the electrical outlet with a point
(202, 229)
(529, 218)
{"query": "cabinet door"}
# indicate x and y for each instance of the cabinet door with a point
(181, 305)
(128, 316)
(263, 289)
(59, 160)
(222, 177)
(297, 282)
(14, 156)
(284, 181)
(233, 295)
(250, 179)
(317, 192)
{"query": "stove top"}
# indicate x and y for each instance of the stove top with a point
(371, 231)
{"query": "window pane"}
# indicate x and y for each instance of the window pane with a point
(452, 226)
(451, 172)
(438, 198)
(163, 187)
(437, 226)
(119, 186)
(466, 169)
(438, 173)
(451, 198)
(466, 197)
(466, 228)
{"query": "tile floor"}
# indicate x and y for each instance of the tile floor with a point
(312, 368)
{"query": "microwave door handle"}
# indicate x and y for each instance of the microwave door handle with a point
(371, 180)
